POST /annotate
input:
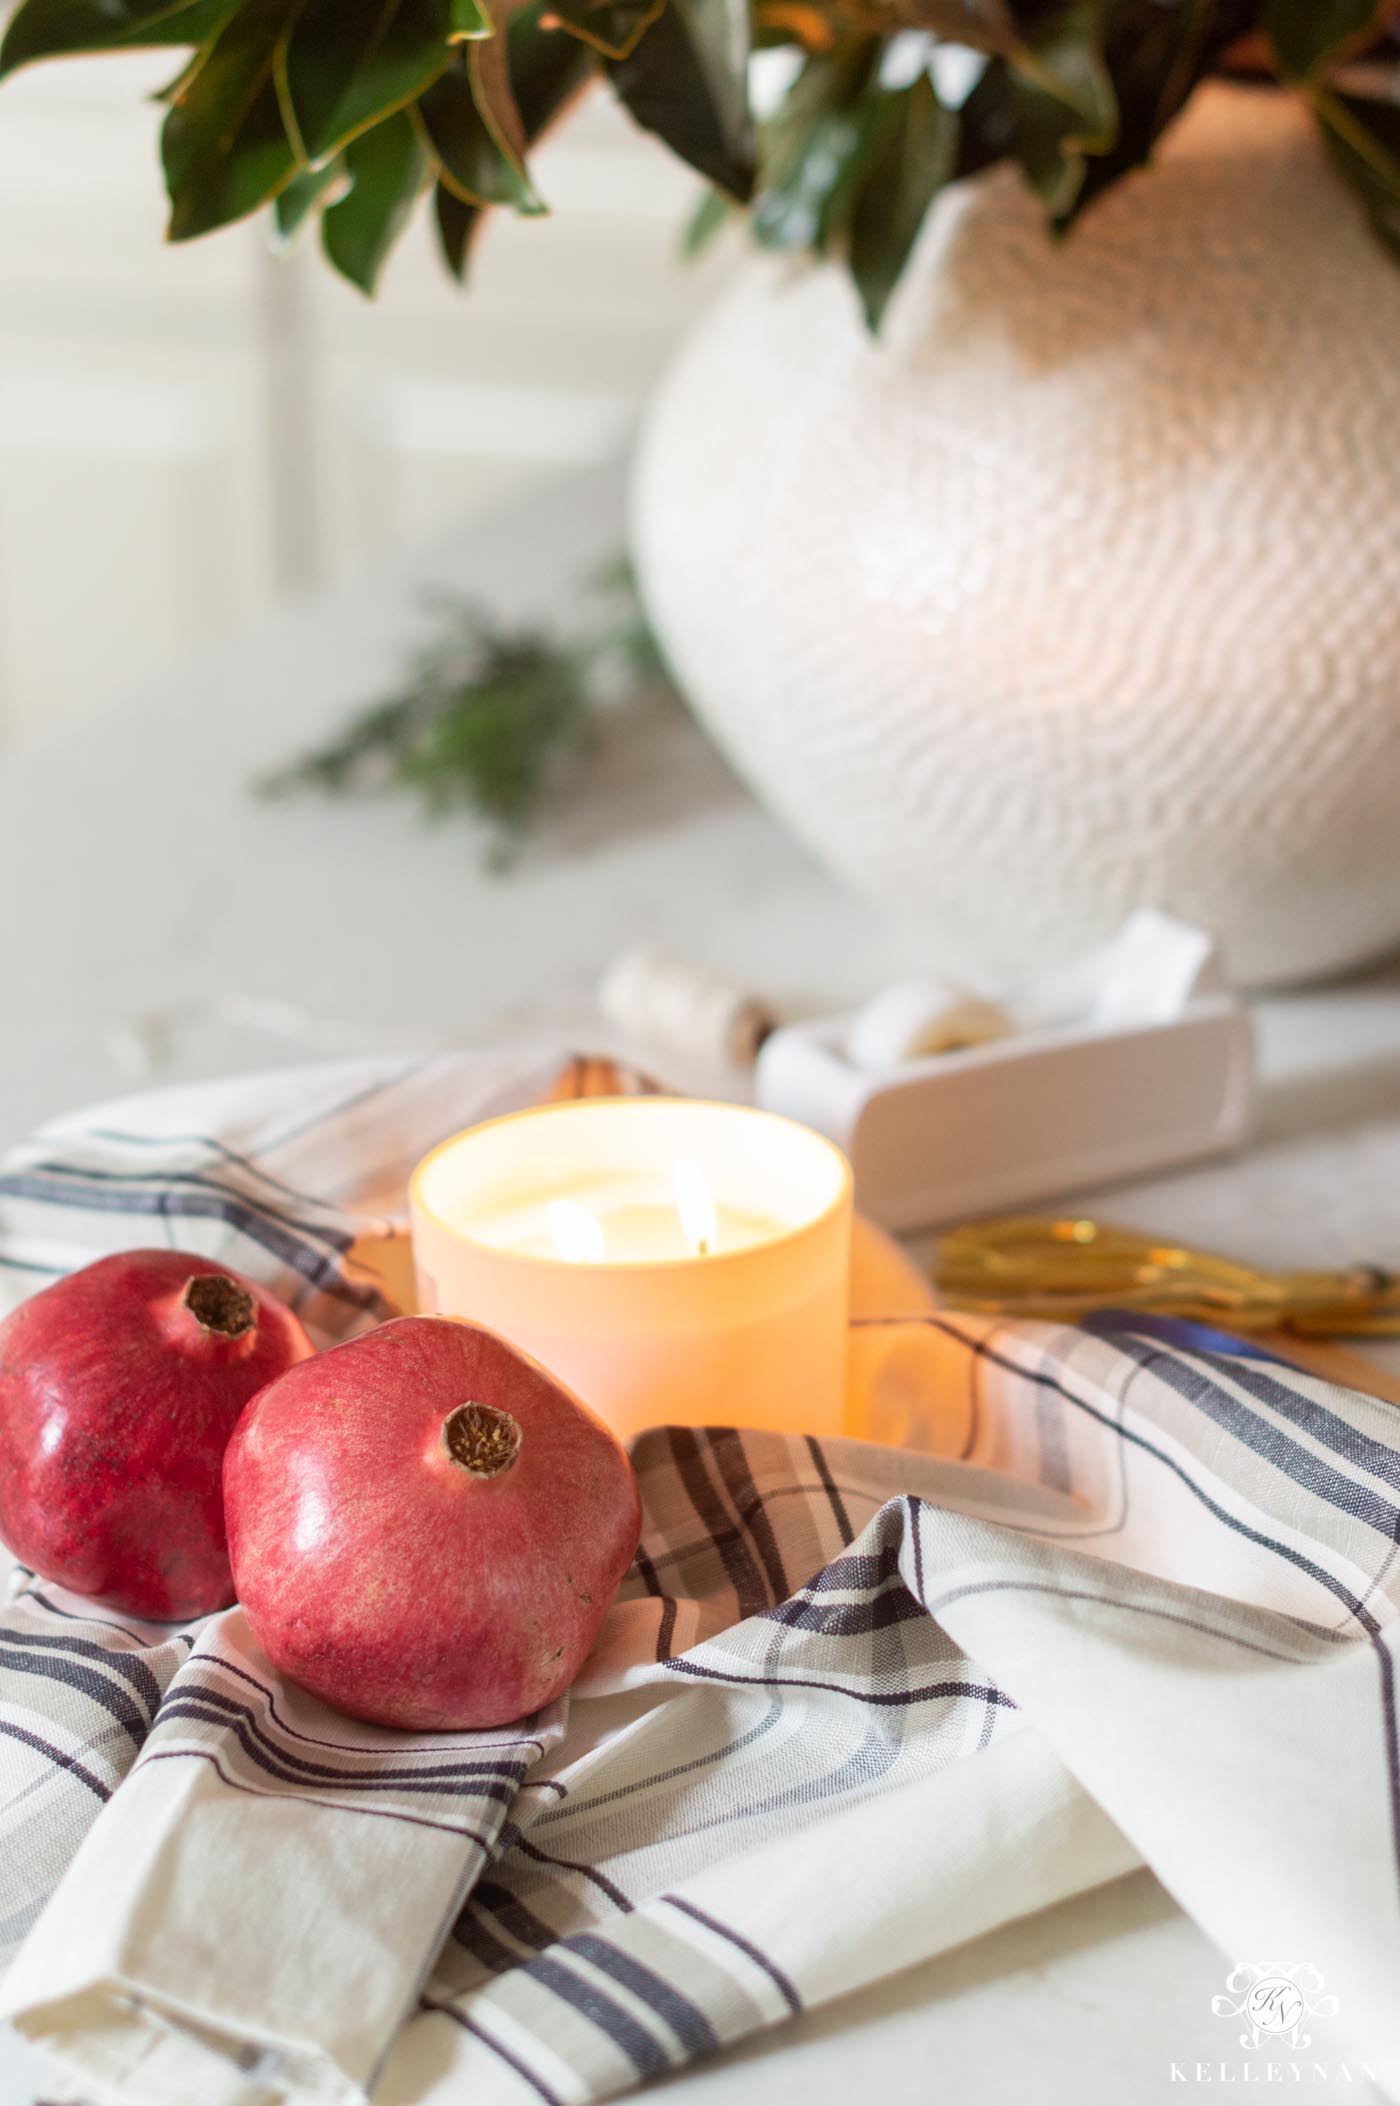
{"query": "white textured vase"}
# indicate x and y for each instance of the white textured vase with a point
(1080, 589)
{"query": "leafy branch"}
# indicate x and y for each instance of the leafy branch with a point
(489, 717)
(352, 111)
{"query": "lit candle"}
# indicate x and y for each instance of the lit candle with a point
(671, 1261)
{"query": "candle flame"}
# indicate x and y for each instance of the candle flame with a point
(576, 1233)
(699, 1225)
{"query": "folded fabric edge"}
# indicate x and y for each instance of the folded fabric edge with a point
(904, 1877)
(112, 2050)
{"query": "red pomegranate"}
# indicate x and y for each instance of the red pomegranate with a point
(426, 1528)
(119, 1388)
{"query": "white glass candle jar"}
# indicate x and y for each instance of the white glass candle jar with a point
(673, 1262)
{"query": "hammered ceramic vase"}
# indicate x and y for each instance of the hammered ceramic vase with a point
(1079, 590)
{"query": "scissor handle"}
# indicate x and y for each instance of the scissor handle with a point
(1066, 1266)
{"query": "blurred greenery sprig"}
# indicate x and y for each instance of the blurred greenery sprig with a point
(352, 111)
(489, 715)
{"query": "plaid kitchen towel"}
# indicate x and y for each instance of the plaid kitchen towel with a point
(854, 1704)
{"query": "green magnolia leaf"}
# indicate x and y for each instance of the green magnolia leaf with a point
(177, 88)
(720, 35)
(816, 151)
(224, 145)
(1156, 57)
(1060, 102)
(467, 19)
(349, 63)
(687, 81)
(458, 225)
(521, 86)
(308, 189)
(215, 13)
(197, 22)
(915, 155)
(548, 67)
(809, 199)
(612, 27)
(1305, 34)
(386, 170)
(1063, 59)
(467, 157)
(43, 29)
(493, 92)
(1363, 137)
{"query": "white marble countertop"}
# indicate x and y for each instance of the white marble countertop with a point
(137, 875)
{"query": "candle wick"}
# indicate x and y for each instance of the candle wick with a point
(704, 1250)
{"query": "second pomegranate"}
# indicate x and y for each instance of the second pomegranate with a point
(426, 1528)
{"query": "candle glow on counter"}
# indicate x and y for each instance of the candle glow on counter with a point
(673, 1262)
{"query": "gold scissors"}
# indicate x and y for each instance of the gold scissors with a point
(1043, 1266)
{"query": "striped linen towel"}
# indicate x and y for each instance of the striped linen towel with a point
(853, 1706)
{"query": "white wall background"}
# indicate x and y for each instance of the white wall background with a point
(187, 432)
